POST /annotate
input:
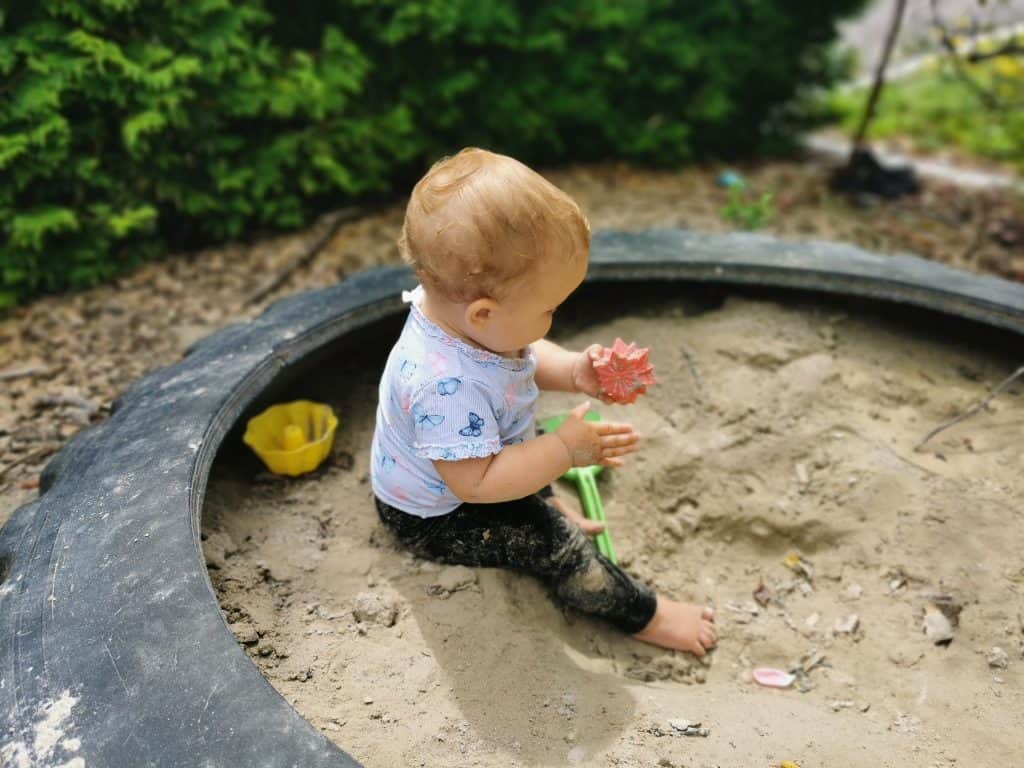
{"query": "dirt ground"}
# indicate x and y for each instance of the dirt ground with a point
(779, 428)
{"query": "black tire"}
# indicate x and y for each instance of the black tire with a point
(109, 625)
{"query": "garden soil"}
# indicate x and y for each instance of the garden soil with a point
(778, 482)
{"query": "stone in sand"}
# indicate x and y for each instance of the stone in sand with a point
(937, 627)
(245, 633)
(372, 608)
(998, 658)
(846, 625)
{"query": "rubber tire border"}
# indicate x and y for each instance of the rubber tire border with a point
(109, 625)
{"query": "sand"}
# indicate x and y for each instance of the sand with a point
(779, 427)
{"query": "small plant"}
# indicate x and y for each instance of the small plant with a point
(747, 213)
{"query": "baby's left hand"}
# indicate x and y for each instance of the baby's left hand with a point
(584, 378)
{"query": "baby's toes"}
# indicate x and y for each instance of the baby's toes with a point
(696, 647)
(707, 635)
(708, 613)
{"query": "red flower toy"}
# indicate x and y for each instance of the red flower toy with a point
(624, 372)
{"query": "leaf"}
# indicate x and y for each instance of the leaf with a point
(12, 147)
(139, 125)
(130, 220)
(14, 275)
(29, 228)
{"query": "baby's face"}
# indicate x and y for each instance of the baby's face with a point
(524, 316)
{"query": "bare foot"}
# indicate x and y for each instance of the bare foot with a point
(589, 527)
(680, 626)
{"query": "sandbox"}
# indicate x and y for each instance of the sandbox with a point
(783, 425)
(114, 650)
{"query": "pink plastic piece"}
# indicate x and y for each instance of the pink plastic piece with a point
(624, 372)
(773, 678)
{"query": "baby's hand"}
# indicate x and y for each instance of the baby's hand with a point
(584, 378)
(596, 442)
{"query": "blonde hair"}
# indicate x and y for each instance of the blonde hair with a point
(478, 221)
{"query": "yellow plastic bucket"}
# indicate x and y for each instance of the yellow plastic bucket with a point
(292, 438)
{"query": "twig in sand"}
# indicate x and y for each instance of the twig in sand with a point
(693, 367)
(305, 257)
(72, 401)
(27, 371)
(882, 446)
(973, 409)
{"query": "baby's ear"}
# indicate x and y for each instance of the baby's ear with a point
(479, 312)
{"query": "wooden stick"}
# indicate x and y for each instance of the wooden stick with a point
(973, 409)
(305, 257)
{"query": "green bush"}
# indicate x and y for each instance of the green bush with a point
(128, 127)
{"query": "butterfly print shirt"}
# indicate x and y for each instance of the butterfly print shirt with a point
(441, 398)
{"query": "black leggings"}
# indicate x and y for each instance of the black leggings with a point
(528, 535)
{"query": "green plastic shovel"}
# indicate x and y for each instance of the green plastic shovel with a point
(585, 479)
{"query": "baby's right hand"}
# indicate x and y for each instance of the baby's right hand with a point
(596, 442)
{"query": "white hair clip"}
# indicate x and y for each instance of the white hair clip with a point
(413, 296)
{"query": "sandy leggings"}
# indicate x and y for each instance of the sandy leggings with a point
(528, 535)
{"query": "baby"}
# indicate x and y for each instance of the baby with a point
(459, 472)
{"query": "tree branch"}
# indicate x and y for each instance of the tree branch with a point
(988, 99)
(1012, 48)
(876, 87)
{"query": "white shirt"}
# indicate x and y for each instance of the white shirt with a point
(441, 398)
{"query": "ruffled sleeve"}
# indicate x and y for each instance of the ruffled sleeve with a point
(453, 419)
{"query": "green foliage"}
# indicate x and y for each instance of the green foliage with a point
(129, 127)
(936, 109)
(748, 212)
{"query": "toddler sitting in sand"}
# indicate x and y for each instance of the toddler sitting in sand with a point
(459, 473)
